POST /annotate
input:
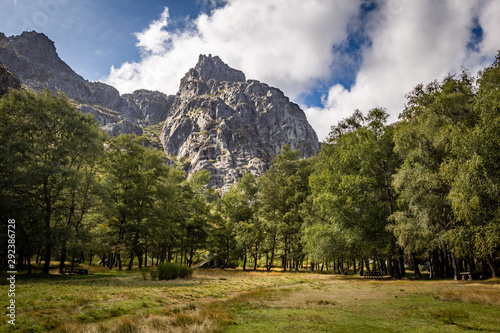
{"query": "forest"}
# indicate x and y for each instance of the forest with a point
(422, 192)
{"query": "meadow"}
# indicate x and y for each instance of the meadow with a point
(237, 301)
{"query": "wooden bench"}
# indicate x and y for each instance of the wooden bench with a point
(373, 275)
(465, 275)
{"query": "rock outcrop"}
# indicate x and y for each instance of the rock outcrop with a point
(223, 123)
(153, 105)
(7, 80)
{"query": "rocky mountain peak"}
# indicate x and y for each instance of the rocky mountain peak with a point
(213, 68)
(38, 56)
(227, 125)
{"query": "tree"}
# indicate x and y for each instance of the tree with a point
(435, 117)
(48, 152)
(352, 195)
(248, 230)
(131, 176)
(475, 174)
(237, 232)
(195, 227)
(169, 215)
(282, 190)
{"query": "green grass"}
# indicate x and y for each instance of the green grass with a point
(237, 301)
(358, 305)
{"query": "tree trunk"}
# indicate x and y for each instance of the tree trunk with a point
(431, 267)
(139, 257)
(415, 266)
(490, 259)
(272, 254)
(131, 261)
(38, 255)
(401, 262)
(472, 264)
(456, 272)
(63, 258)
(244, 258)
(255, 261)
(48, 255)
(285, 255)
(29, 265)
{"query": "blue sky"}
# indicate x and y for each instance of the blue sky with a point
(92, 36)
(330, 56)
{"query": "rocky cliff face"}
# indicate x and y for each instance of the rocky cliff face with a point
(153, 105)
(7, 80)
(230, 126)
(34, 60)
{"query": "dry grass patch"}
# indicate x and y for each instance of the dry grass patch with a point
(474, 295)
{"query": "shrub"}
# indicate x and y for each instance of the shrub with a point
(144, 273)
(153, 273)
(185, 272)
(170, 271)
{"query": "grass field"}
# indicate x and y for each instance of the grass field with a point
(237, 301)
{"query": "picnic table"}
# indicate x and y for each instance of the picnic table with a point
(76, 271)
(373, 275)
(465, 275)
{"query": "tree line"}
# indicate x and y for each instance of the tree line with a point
(377, 197)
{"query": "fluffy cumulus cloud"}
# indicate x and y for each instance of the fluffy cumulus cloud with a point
(285, 43)
(412, 42)
(290, 44)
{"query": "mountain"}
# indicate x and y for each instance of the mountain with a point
(217, 121)
(33, 58)
(223, 123)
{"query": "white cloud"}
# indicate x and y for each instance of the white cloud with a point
(153, 40)
(288, 44)
(285, 43)
(489, 19)
(413, 42)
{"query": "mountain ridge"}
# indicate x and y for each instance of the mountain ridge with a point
(218, 120)
(33, 57)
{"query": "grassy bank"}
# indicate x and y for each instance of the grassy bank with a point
(236, 301)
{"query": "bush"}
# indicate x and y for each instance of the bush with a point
(144, 273)
(185, 272)
(153, 273)
(169, 271)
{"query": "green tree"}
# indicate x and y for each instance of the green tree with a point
(131, 176)
(195, 227)
(282, 190)
(248, 230)
(237, 233)
(48, 153)
(352, 195)
(169, 215)
(475, 175)
(435, 118)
